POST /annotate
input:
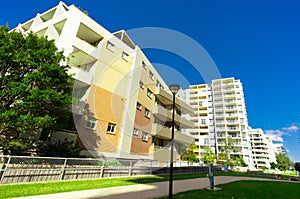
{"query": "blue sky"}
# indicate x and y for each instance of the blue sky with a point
(255, 41)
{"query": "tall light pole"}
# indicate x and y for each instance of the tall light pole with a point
(174, 88)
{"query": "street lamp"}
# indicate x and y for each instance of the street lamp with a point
(174, 88)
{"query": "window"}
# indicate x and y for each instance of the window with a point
(147, 113)
(242, 121)
(142, 85)
(203, 121)
(91, 123)
(149, 93)
(158, 84)
(110, 46)
(144, 65)
(151, 75)
(111, 128)
(135, 132)
(138, 106)
(125, 56)
(145, 136)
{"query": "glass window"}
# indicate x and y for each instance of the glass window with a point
(135, 132)
(110, 46)
(147, 113)
(111, 128)
(138, 106)
(125, 56)
(91, 123)
(142, 85)
(149, 93)
(145, 136)
(151, 75)
(144, 65)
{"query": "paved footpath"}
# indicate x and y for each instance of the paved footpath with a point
(143, 191)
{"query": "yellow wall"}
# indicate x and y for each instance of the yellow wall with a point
(106, 107)
(112, 71)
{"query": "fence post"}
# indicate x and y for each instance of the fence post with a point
(63, 169)
(102, 169)
(130, 168)
(5, 168)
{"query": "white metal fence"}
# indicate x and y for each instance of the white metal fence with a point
(18, 169)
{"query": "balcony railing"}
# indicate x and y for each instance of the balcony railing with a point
(166, 115)
(164, 132)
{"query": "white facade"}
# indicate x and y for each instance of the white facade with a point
(219, 113)
(262, 149)
(200, 98)
(230, 117)
(279, 148)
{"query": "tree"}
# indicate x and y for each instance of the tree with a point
(209, 156)
(240, 162)
(273, 165)
(225, 152)
(190, 155)
(228, 148)
(35, 89)
(60, 149)
(283, 162)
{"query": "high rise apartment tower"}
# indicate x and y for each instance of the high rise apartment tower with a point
(220, 117)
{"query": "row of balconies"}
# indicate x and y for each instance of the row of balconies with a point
(164, 132)
(227, 129)
(223, 143)
(166, 115)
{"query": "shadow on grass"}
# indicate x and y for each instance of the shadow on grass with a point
(247, 190)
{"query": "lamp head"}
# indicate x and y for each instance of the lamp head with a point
(174, 88)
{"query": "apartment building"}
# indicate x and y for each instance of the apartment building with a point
(200, 98)
(261, 148)
(121, 107)
(220, 116)
(279, 148)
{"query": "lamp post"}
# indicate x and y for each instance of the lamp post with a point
(174, 89)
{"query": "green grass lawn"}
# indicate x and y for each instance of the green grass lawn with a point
(30, 189)
(246, 190)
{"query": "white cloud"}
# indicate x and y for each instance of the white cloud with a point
(292, 128)
(277, 135)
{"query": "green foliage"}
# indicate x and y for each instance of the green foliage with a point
(283, 162)
(60, 149)
(35, 90)
(190, 155)
(240, 162)
(209, 156)
(228, 148)
(110, 163)
(273, 165)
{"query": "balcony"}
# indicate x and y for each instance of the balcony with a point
(221, 135)
(164, 132)
(162, 153)
(81, 75)
(232, 122)
(233, 129)
(167, 99)
(166, 115)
